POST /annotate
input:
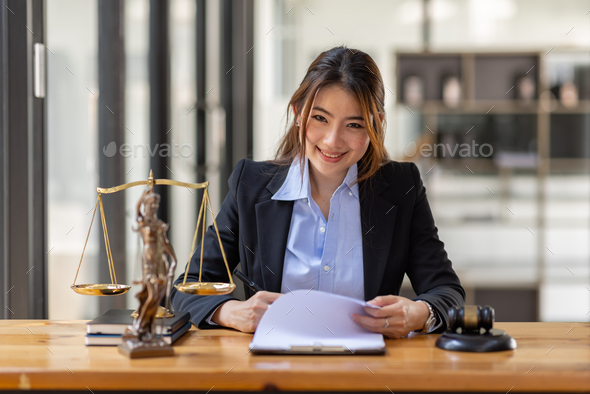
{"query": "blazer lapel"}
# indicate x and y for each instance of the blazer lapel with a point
(274, 222)
(377, 223)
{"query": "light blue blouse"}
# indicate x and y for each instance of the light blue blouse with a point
(322, 254)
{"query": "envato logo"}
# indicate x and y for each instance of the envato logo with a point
(162, 150)
(449, 150)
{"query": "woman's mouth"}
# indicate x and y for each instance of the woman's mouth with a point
(331, 156)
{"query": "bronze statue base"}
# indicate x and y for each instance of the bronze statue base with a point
(142, 350)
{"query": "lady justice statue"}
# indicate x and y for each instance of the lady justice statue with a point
(158, 264)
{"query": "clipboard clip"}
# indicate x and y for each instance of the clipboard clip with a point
(319, 349)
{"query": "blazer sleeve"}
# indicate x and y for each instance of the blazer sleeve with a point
(214, 269)
(429, 270)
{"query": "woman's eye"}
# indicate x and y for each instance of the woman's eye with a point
(319, 117)
(356, 126)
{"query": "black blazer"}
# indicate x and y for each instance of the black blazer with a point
(399, 237)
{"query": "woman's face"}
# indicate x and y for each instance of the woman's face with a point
(336, 135)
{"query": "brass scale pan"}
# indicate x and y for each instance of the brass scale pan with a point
(196, 288)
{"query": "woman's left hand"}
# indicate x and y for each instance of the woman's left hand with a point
(397, 317)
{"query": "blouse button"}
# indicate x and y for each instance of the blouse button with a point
(326, 268)
(349, 193)
(322, 229)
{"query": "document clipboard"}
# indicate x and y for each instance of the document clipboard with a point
(314, 322)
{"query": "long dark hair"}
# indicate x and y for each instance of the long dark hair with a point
(356, 72)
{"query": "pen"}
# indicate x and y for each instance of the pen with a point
(247, 281)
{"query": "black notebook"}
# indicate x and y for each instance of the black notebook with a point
(114, 340)
(115, 321)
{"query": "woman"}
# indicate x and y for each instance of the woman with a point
(331, 213)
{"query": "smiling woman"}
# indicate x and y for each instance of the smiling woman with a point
(353, 86)
(334, 141)
(322, 215)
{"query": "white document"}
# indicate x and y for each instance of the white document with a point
(311, 321)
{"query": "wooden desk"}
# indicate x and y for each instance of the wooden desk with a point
(40, 354)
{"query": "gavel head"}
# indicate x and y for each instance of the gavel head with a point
(471, 318)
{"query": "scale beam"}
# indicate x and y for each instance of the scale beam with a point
(200, 288)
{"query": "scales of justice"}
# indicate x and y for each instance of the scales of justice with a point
(158, 266)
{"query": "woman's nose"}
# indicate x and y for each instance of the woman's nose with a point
(333, 137)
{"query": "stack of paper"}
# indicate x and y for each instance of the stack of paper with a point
(309, 321)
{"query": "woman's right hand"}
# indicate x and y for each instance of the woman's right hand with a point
(244, 315)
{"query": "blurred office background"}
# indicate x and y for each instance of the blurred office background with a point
(212, 79)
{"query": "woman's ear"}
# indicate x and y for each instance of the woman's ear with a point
(381, 117)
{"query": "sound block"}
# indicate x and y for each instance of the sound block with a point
(146, 351)
(494, 340)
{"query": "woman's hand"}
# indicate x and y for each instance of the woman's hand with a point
(403, 316)
(244, 315)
